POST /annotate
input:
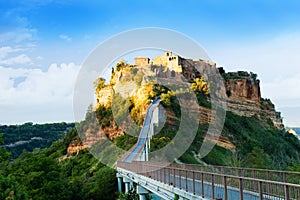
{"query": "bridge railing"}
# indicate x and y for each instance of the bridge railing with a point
(214, 185)
(272, 175)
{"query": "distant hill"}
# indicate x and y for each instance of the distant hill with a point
(29, 136)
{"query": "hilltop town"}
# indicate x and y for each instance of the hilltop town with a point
(122, 101)
(242, 89)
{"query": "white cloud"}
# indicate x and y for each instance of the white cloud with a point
(4, 51)
(39, 58)
(274, 58)
(291, 117)
(10, 56)
(285, 94)
(39, 96)
(16, 60)
(287, 88)
(65, 37)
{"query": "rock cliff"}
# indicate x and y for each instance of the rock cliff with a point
(244, 97)
(241, 91)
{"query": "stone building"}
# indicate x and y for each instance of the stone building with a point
(141, 61)
(169, 60)
(171, 65)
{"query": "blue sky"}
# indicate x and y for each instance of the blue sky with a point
(42, 41)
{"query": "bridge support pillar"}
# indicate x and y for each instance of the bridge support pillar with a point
(127, 187)
(146, 150)
(142, 192)
(128, 184)
(120, 181)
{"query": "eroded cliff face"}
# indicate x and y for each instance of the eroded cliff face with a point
(244, 99)
(92, 135)
(243, 89)
(75, 146)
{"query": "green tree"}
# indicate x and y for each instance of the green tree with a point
(257, 158)
(234, 161)
(253, 75)
(131, 195)
(4, 155)
(120, 65)
(166, 98)
(10, 189)
(99, 83)
(295, 167)
(102, 185)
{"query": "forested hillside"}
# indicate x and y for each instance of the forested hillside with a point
(28, 136)
(51, 173)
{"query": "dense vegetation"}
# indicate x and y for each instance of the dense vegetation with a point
(260, 144)
(236, 75)
(49, 174)
(29, 136)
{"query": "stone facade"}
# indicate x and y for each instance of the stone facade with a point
(169, 60)
(141, 61)
(169, 65)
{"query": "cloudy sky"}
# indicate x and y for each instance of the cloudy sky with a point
(44, 42)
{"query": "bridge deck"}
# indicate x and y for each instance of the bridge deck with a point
(134, 152)
(210, 185)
